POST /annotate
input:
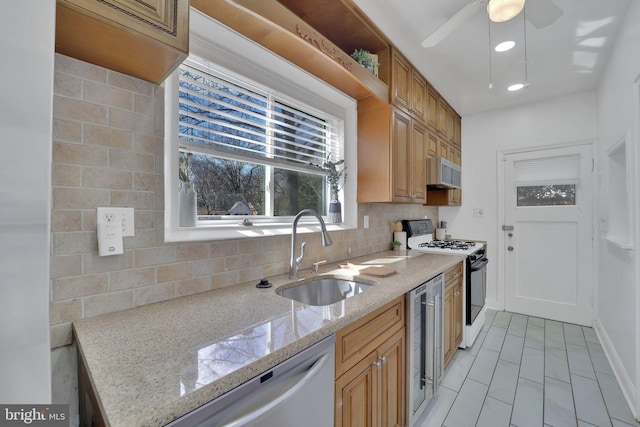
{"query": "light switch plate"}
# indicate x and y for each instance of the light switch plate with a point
(478, 213)
(123, 215)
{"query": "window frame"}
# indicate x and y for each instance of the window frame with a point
(238, 55)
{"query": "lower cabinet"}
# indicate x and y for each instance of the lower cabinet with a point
(370, 370)
(453, 326)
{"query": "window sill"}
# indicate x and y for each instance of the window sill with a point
(204, 231)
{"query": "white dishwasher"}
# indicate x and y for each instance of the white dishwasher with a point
(298, 391)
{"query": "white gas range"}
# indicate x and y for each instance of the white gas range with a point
(420, 238)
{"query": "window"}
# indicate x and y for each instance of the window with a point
(547, 182)
(251, 130)
(249, 151)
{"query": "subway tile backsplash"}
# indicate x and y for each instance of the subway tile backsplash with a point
(108, 151)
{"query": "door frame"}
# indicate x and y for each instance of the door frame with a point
(500, 241)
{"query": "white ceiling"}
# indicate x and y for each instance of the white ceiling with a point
(565, 57)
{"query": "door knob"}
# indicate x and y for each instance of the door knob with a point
(510, 248)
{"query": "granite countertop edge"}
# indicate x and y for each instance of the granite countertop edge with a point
(116, 357)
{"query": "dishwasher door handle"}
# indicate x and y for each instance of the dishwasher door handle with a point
(308, 377)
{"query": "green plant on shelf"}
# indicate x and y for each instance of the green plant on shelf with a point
(364, 58)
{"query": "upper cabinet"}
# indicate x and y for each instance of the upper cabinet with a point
(144, 39)
(408, 88)
(392, 152)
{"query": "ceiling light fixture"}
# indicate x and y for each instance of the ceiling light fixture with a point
(505, 46)
(503, 10)
(515, 87)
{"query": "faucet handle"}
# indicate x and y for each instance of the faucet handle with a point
(301, 257)
(314, 266)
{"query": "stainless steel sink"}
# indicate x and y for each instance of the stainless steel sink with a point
(323, 291)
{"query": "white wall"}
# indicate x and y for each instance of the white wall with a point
(618, 302)
(26, 44)
(552, 122)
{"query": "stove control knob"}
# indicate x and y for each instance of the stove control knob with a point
(510, 248)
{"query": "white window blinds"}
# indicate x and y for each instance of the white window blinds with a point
(550, 170)
(227, 118)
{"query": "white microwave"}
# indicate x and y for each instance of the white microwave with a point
(441, 173)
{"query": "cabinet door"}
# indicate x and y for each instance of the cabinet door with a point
(357, 395)
(392, 381)
(443, 149)
(432, 108)
(448, 325)
(457, 131)
(401, 81)
(449, 124)
(401, 152)
(455, 155)
(433, 144)
(442, 117)
(419, 142)
(418, 97)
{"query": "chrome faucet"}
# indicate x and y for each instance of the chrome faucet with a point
(326, 241)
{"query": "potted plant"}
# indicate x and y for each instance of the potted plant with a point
(396, 245)
(367, 60)
(336, 176)
(187, 198)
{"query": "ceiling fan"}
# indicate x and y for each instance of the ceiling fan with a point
(541, 13)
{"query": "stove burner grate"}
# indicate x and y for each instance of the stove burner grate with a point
(448, 244)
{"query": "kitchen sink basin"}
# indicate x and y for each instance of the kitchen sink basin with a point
(323, 291)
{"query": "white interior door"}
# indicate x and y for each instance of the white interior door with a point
(548, 233)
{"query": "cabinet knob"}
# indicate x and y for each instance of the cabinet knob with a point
(381, 361)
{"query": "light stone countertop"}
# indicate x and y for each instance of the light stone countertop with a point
(152, 364)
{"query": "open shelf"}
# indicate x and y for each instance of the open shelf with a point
(272, 25)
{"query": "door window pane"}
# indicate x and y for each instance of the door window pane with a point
(546, 195)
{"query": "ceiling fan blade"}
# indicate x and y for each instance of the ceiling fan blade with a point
(456, 20)
(542, 13)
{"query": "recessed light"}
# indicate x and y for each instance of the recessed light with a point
(505, 46)
(515, 87)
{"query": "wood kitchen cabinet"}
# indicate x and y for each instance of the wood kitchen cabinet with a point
(432, 108)
(442, 114)
(392, 149)
(145, 40)
(453, 325)
(370, 369)
(408, 88)
(408, 142)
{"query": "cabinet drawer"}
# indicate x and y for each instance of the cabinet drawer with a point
(453, 275)
(357, 340)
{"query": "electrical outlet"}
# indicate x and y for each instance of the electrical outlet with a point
(366, 221)
(123, 215)
(478, 213)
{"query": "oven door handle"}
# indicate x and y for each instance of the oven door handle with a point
(479, 265)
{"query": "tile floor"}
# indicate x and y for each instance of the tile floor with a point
(525, 371)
